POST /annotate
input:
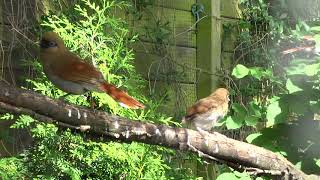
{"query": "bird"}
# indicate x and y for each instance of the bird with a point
(73, 75)
(206, 112)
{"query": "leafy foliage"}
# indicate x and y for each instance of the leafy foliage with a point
(277, 93)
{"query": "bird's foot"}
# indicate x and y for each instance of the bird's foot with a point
(205, 135)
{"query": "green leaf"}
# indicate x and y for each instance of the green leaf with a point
(298, 165)
(315, 28)
(291, 87)
(256, 72)
(240, 71)
(254, 109)
(252, 137)
(312, 69)
(228, 175)
(317, 162)
(273, 110)
(23, 121)
(239, 109)
(251, 120)
(233, 123)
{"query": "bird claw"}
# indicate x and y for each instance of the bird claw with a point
(205, 134)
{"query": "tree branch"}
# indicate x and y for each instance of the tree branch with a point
(213, 146)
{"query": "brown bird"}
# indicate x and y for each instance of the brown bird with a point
(204, 114)
(71, 74)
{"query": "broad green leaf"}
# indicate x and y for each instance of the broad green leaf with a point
(317, 39)
(238, 108)
(251, 120)
(228, 175)
(256, 72)
(233, 123)
(298, 165)
(291, 87)
(252, 137)
(254, 109)
(312, 69)
(240, 71)
(317, 162)
(242, 175)
(272, 111)
(315, 28)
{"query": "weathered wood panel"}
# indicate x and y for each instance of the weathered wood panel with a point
(149, 63)
(179, 96)
(184, 5)
(229, 34)
(230, 8)
(165, 23)
(227, 61)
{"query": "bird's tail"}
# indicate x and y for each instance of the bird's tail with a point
(122, 97)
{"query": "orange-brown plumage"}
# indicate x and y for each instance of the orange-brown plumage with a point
(207, 111)
(71, 74)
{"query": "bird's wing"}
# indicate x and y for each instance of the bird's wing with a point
(204, 105)
(72, 68)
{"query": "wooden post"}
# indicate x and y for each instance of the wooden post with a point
(209, 60)
(208, 48)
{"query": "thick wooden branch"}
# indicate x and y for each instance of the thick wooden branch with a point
(213, 146)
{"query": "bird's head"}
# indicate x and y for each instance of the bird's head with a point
(51, 42)
(222, 93)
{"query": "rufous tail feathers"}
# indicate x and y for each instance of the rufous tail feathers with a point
(122, 97)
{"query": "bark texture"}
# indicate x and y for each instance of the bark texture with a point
(214, 146)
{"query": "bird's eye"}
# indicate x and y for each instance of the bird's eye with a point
(47, 44)
(52, 44)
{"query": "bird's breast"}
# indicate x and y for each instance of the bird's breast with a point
(65, 85)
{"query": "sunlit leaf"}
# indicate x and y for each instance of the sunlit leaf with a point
(228, 175)
(317, 162)
(233, 122)
(291, 87)
(311, 70)
(252, 137)
(273, 111)
(251, 120)
(240, 71)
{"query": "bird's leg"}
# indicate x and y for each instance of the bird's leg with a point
(205, 134)
(90, 99)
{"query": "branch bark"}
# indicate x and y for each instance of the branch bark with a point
(214, 146)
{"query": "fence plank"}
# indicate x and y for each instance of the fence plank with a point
(179, 96)
(230, 8)
(183, 59)
(152, 26)
(176, 4)
(229, 34)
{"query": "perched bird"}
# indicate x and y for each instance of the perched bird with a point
(71, 74)
(207, 111)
